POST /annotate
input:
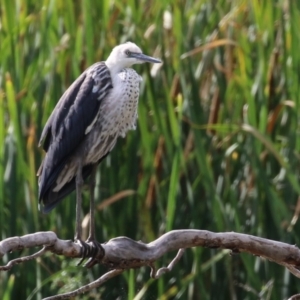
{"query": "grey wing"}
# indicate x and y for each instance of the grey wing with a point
(66, 127)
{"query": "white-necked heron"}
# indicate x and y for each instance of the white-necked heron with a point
(95, 110)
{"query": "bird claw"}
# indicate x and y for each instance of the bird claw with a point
(97, 253)
(90, 249)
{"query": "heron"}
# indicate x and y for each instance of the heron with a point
(99, 106)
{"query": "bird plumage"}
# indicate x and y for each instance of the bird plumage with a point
(96, 109)
(65, 128)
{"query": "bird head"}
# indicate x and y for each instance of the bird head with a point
(125, 55)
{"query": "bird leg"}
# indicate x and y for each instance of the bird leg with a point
(93, 249)
(92, 184)
(79, 185)
(96, 248)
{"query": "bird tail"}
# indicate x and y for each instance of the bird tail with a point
(51, 199)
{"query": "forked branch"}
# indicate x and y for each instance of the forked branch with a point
(122, 253)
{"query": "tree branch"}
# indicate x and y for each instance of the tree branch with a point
(123, 253)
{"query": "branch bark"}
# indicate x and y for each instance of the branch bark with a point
(122, 253)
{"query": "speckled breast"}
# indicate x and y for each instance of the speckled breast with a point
(117, 115)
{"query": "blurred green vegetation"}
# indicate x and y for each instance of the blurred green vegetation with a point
(217, 145)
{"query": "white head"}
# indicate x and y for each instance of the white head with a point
(125, 55)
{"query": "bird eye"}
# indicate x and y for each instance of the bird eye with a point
(127, 52)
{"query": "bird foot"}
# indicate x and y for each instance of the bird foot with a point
(90, 249)
(97, 253)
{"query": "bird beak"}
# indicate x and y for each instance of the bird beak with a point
(145, 58)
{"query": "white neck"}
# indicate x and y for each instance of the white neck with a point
(113, 68)
(116, 66)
